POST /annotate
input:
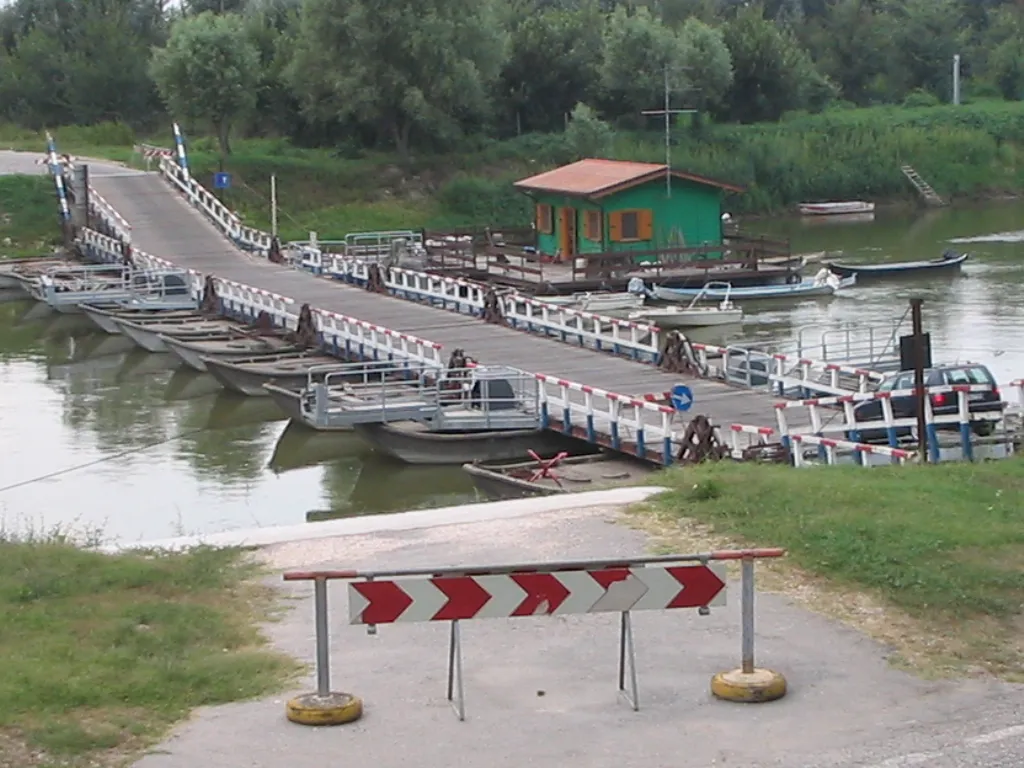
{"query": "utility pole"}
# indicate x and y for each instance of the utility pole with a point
(956, 79)
(920, 394)
(667, 111)
(273, 205)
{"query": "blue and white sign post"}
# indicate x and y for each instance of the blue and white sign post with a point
(682, 397)
(222, 180)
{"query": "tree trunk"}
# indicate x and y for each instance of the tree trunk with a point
(223, 128)
(400, 130)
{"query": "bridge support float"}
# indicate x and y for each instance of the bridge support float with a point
(748, 684)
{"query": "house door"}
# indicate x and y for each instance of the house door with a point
(567, 232)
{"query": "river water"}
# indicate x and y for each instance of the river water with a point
(99, 437)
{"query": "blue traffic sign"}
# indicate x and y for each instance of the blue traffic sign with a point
(682, 397)
(222, 180)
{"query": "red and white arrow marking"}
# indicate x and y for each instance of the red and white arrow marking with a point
(451, 598)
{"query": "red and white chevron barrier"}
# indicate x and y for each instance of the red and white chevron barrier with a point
(149, 152)
(454, 598)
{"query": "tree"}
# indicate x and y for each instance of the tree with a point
(708, 64)
(587, 135)
(772, 74)
(208, 72)
(552, 65)
(926, 35)
(400, 65)
(855, 62)
(638, 49)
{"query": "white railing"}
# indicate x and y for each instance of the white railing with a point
(110, 215)
(359, 339)
(743, 437)
(246, 301)
(783, 373)
(446, 292)
(830, 448)
(840, 412)
(1017, 385)
(633, 425)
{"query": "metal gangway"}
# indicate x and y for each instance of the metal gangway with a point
(477, 398)
(65, 288)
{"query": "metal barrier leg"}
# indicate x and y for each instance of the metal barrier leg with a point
(323, 707)
(748, 684)
(456, 691)
(627, 662)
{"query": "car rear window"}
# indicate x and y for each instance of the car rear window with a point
(973, 375)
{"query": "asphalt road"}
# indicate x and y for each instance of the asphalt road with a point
(542, 692)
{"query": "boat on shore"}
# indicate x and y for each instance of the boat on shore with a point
(588, 472)
(415, 443)
(230, 346)
(692, 316)
(949, 262)
(841, 208)
(247, 375)
(823, 284)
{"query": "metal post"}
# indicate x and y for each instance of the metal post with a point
(323, 649)
(956, 79)
(668, 140)
(920, 395)
(747, 609)
(273, 206)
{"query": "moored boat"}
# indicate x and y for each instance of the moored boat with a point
(692, 315)
(414, 443)
(842, 208)
(14, 273)
(150, 334)
(247, 375)
(596, 302)
(589, 472)
(950, 261)
(225, 347)
(822, 284)
(106, 317)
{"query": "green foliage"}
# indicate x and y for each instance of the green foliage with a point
(707, 62)
(1007, 68)
(449, 54)
(587, 135)
(208, 72)
(921, 98)
(105, 652)
(28, 216)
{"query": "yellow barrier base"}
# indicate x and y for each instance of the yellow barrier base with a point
(333, 709)
(750, 688)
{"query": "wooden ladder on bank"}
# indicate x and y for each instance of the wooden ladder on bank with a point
(931, 197)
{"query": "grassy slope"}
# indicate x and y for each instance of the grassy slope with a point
(962, 151)
(943, 544)
(28, 216)
(103, 653)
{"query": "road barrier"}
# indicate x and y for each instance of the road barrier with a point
(539, 589)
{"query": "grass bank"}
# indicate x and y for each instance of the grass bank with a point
(972, 150)
(29, 225)
(101, 654)
(928, 558)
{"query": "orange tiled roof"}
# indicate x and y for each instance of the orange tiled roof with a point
(598, 177)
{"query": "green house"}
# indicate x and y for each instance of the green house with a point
(601, 206)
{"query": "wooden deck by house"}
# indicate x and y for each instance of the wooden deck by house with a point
(164, 225)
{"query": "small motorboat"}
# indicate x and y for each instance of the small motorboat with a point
(950, 261)
(844, 208)
(692, 316)
(596, 302)
(822, 284)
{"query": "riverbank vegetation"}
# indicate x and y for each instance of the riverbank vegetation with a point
(29, 225)
(102, 653)
(791, 102)
(930, 559)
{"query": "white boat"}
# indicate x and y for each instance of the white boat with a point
(836, 209)
(822, 284)
(596, 302)
(692, 316)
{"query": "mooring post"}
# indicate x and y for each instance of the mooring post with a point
(920, 394)
(747, 611)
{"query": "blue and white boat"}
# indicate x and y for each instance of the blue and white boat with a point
(822, 284)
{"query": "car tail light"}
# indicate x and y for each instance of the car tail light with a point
(939, 399)
(995, 393)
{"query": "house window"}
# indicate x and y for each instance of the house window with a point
(631, 226)
(592, 225)
(545, 219)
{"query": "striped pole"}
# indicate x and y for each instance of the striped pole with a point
(179, 142)
(58, 176)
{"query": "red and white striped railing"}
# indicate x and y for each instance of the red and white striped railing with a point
(831, 447)
(358, 339)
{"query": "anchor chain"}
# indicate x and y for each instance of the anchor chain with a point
(210, 303)
(493, 311)
(678, 356)
(376, 279)
(274, 255)
(700, 443)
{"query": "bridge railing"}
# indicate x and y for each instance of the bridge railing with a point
(109, 215)
(357, 339)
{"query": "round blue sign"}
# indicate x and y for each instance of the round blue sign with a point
(682, 397)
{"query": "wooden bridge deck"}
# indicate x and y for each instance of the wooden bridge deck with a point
(165, 225)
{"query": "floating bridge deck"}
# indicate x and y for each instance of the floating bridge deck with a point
(165, 225)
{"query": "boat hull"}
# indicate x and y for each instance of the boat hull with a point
(691, 319)
(102, 319)
(907, 269)
(411, 443)
(150, 341)
(836, 209)
(192, 352)
(806, 289)
(250, 380)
